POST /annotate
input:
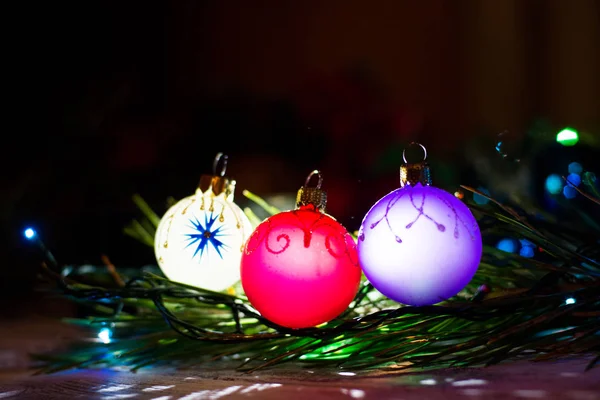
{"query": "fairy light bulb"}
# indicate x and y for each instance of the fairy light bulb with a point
(419, 245)
(299, 268)
(199, 240)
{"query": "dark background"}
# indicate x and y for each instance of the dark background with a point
(112, 98)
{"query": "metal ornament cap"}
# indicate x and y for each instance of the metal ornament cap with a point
(414, 173)
(217, 182)
(312, 195)
(411, 174)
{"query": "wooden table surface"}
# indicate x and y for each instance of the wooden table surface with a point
(518, 380)
(563, 379)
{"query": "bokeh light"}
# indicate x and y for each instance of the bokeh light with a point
(105, 335)
(573, 180)
(29, 233)
(567, 137)
(527, 251)
(480, 199)
(569, 192)
(575, 168)
(554, 184)
(527, 248)
(525, 242)
(508, 245)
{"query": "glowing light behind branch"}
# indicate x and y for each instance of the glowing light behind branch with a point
(567, 137)
(554, 184)
(105, 335)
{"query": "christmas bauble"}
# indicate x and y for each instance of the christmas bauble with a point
(419, 245)
(299, 268)
(199, 240)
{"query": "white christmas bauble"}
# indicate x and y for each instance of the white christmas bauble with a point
(199, 241)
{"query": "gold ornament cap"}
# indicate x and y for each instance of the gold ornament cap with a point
(312, 195)
(217, 182)
(413, 173)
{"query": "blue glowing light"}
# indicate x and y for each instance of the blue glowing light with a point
(569, 192)
(570, 300)
(29, 233)
(525, 242)
(508, 245)
(554, 184)
(206, 235)
(480, 199)
(574, 180)
(105, 335)
(527, 251)
(575, 168)
(527, 248)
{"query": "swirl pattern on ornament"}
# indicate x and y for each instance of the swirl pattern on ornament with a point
(419, 206)
(322, 222)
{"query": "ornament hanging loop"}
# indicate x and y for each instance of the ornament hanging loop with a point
(309, 177)
(414, 173)
(415, 144)
(312, 195)
(220, 158)
(217, 183)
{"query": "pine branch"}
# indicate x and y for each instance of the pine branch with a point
(156, 321)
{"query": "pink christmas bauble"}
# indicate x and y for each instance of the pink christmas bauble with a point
(300, 268)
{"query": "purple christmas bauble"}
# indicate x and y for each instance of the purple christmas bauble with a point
(419, 245)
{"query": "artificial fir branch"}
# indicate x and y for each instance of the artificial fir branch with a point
(159, 322)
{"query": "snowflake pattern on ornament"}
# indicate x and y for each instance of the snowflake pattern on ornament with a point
(206, 235)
